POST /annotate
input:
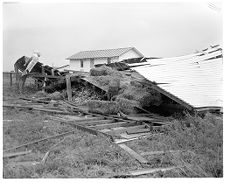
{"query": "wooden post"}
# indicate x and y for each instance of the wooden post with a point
(11, 78)
(69, 92)
(52, 70)
(44, 84)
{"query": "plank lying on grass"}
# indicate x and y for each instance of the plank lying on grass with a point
(120, 141)
(86, 129)
(39, 109)
(163, 152)
(34, 100)
(113, 125)
(10, 155)
(97, 123)
(37, 141)
(136, 131)
(123, 129)
(125, 135)
(152, 170)
(133, 153)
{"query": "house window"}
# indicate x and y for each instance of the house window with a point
(92, 63)
(81, 63)
(108, 60)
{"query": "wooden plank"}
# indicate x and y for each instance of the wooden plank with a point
(113, 125)
(69, 91)
(136, 131)
(10, 155)
(133, 153)
(37, 141)
(39, 109)
(123, 130)
(151, 170)
(87, 120)
(164, 152)
(119, 141)
(45, 76)
(87, 129)
(35, 100)
(97, 123)
(124, 135)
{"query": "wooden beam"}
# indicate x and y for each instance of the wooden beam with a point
(151, 170)
(87, 129)
(35, 100)
(68, 83)
(113, 125)
(123, 130)
(133, 153)
(164, 152)
(39, 109)
(120, 141)
(97, 122)
(37, 141)
(10, 155)
(44, 76)
(136, 131)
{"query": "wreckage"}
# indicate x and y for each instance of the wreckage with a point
(43, 74)
(192, 82)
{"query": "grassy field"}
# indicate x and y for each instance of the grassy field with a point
(82, 155)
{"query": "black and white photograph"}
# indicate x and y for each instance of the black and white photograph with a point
(112, 90)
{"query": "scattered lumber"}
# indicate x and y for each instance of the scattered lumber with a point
(151, 170)
(10, 155)
(138, 130)
(34, 100)
(39, 109)
(113, 125)
(163, 152)
(133, 153)
(48, 152)
(120, 141)
(86, 129)
(37, 141)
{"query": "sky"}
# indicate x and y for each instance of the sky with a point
(58, 31)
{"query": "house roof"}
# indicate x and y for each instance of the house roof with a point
(108, 53)
(195, 81)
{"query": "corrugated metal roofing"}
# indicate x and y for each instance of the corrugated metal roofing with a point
(196, 80)
(101, 53)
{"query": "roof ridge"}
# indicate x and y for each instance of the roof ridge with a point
(107, 49)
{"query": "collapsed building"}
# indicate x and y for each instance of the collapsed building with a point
(163, 85)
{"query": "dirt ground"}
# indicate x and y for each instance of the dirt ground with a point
(82, 155)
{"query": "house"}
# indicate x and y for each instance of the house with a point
(85, 60)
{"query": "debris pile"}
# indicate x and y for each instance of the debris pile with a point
(126, 92)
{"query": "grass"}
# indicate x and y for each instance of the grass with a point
(202, 140)
(84, 155)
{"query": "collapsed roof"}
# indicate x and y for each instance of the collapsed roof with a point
(195, 81)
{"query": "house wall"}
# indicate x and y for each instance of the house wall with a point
(129, 54)
(75, 64)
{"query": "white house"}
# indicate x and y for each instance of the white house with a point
(85, 60)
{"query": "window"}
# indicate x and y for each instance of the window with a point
(92, 63)
(81, 63)
(108, 60)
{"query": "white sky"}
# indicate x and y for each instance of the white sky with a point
(60, 30)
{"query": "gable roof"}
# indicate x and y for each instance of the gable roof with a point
(108, 53)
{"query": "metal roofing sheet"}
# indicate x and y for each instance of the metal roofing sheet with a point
(100, 53)
(199, 85)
